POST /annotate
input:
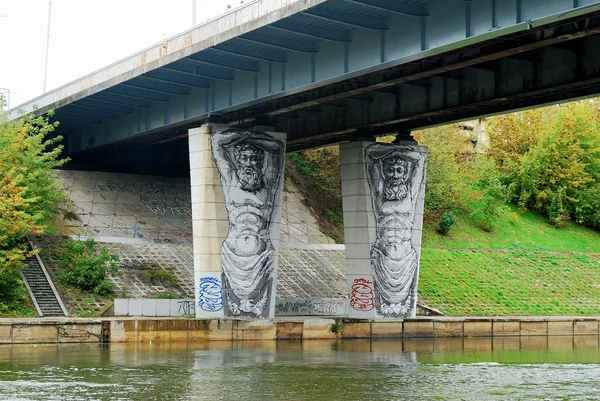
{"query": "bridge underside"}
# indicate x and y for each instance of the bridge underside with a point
(430, 63)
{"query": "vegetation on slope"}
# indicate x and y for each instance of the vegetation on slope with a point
(28, 199)
(524, 267)
(316, 174)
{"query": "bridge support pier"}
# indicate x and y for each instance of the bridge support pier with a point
(383, 188)
(236, 191)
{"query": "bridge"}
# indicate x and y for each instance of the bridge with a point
(324, 71)
(276, 75)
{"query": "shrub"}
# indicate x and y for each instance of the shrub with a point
(493, 195)
(446, 222)
(85, 267)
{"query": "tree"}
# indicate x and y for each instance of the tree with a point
(28, 193)
(550, 159)
(448, 170)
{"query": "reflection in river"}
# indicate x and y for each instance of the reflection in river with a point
(534, 368)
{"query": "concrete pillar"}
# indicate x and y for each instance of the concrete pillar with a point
(237, 182)
(383, 187)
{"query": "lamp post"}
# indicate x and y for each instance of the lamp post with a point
(193, 12)
(47, 43)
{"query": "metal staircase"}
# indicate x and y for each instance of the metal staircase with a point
(40, 287)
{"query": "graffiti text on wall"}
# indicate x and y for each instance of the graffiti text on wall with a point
(210, 294)
(186, 307)
(361, 295)
(138, 188)
(310, 307)
(175, 206)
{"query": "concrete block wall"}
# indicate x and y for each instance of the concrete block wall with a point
(158, 209)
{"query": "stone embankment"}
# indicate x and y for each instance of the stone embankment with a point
(135, 330)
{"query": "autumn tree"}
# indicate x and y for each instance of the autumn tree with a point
(550, 159)
(28, 193)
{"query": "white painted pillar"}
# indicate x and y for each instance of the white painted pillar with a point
(235, 224)
(363, 206)
(209, 222)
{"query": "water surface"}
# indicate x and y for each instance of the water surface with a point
(553, 368)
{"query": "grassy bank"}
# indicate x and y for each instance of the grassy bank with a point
(524, 267)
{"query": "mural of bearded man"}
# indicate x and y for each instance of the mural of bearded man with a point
(395, 174)
(250, 165)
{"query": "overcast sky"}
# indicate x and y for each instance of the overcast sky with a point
(85, 35)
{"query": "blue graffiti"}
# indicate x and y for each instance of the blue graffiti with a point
(210, 297)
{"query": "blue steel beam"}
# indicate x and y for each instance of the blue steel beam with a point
(390, 7)
(117, 100)
(330, 36)
(252, 55)
(76, 119)
(174, 81)
(347, 20)
(77, 109)
(118, 91)
(222, 64)
(295, 47)
(127, 89)
(99, 105)
(168, 89)
(198, 74)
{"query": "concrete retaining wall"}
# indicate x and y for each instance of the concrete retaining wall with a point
(153, 307)
(14, 331)
(186, 307)
(39, 331)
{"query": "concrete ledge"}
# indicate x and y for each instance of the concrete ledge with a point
(502, 329)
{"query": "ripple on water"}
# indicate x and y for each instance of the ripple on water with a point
(147, 374)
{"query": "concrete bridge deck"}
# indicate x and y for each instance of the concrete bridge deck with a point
(324, 71)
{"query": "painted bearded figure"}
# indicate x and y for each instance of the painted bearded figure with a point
(395, 174)
(250, 165)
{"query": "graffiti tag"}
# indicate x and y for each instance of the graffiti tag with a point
(110, 186)
(186, 308)
(142, 188)
(175, 206)
(310, 307)
(361, 295)
(210, 294)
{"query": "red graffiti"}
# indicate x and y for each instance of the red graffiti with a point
(361, 297)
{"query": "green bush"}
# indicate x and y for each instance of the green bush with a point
(446, 222)
(85, 267)
(493, 195)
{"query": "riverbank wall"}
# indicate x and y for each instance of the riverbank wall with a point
(131, 330)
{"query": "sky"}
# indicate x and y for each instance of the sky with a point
(85, 35)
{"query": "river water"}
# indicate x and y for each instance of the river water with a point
(537, 368)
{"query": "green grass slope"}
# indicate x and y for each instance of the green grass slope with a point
(524, 267)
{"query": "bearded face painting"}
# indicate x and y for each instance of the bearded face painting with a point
(395, 174)
(250, 165)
